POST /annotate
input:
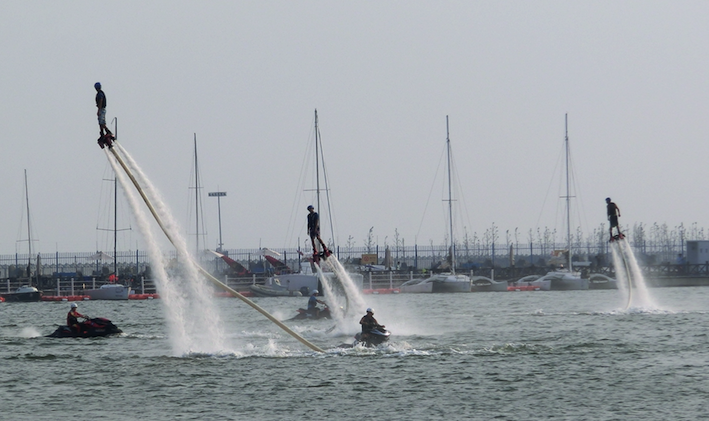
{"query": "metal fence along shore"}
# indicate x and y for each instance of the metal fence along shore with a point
(504, 258)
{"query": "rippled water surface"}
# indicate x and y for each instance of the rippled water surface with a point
(512, 356)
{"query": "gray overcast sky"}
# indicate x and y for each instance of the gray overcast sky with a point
(246, 77)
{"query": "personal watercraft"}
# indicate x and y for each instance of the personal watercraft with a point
(89, 328)
(375, 337)
(303, 314)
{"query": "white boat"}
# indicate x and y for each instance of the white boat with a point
(112, 290)
(306, 281)
(273, 291)
(563, 280)
(535, 281)
(600, 281)
(24, 294)
(566, 279)
(443, 282)
(302, 282)
(416, 286)
(485, 284)
(109, 292)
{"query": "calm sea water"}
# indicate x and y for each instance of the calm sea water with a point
(511, 356)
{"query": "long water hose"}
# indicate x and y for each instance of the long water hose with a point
(209, 276)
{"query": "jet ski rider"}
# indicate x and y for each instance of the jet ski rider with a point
(369, 323)
(72, 318)
(313, 303)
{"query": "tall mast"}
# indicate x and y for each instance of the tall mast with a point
(568, 195)
(115, 222)
(196, 195)
(317, 162)
(115, 210)
(29, 231)
(450, 199)
(320, 161)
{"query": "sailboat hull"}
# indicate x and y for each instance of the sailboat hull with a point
(22, 297)
(484, 284)
(109, 292)
(442, 283)
(561, 281)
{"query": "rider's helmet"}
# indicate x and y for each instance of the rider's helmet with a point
(369, 310)
(97, 85)
(74, 305)
(315, 291)
(310, 207)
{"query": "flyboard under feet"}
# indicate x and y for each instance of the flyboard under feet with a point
(206, 274)
(319, 255)
(620, 245)
(106, 140)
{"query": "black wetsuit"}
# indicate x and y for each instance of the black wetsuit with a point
(613, 214)
(100, 99)
(313, 225)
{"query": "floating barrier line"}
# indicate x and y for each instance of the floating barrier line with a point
(209, 276)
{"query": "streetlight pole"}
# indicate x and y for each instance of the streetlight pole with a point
(219, 195)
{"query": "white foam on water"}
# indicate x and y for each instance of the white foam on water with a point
(192, 315)
(29, 332)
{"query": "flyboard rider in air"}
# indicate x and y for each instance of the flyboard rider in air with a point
(314, 233)
(107, 137)
(613, 215)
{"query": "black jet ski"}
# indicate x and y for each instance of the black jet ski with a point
(87, 329)
(375, 337)
(304, 315)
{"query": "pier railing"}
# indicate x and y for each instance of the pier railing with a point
(415, 258)
(371, 279)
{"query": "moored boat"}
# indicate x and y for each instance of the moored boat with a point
(271, 291)
(416, 286)
(23, 294)
(600, 281)
(295, 282)
(535, 282)
(566, 281)
(109, 292)
(485, 284)
(443, 282)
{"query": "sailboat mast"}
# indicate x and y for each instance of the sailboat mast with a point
(115, 210)
(450, 199)
(196, 195)
(115, 223)
(29, 231)
(568, 195)
(317, 162)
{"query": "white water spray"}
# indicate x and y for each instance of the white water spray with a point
(345, 313)
(630, 278)
(193, 319)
